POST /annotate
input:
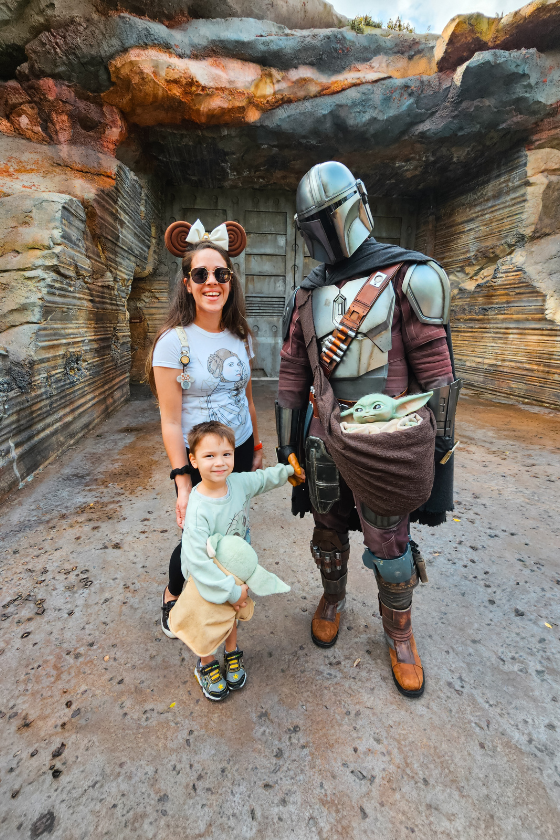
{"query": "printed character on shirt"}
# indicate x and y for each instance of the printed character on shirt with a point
(232, 376)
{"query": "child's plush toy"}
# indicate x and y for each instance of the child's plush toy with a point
(384, 414)
(239, 558)
(204, 626)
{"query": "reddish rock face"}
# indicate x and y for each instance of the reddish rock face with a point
(153, 87)
(49, 111)
(535, 25)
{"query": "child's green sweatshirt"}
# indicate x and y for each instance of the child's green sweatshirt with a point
(226, 515)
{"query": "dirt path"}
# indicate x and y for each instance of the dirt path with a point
(106, 735)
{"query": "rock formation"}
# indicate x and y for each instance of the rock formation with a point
(111, 110)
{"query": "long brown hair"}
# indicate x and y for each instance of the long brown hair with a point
(182, 311)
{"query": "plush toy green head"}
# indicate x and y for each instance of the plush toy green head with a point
(239, 558)
(375, 407)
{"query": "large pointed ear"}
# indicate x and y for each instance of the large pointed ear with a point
(411, 403)
(212, 544)
(347, 412)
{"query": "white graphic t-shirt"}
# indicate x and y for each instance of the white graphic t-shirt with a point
(218, 374)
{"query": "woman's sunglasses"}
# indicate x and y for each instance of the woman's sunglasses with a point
(200, 275)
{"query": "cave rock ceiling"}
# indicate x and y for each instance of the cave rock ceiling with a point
(254, 103)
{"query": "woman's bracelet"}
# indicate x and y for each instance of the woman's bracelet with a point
(186, 470)
(258, 446)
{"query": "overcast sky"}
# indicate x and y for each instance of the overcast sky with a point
(423, 13)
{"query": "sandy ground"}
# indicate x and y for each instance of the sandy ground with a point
(106, 734)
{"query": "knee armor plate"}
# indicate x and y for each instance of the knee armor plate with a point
(396, 570)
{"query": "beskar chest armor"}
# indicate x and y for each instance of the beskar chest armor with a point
(364, 368)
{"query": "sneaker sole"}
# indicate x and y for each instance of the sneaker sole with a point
(168, 633)
(215, 698)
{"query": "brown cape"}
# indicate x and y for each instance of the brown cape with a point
(391, 473)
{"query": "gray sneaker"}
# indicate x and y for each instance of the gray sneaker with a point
(211, 681)
(236, 675)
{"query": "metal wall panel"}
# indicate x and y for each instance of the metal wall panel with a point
(265, 264)
(266, 243)
(270, 285)
(265, 221)
(209, 217)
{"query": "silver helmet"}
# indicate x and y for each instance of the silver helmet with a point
(333, 214)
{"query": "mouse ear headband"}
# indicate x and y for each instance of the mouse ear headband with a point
(229, 235)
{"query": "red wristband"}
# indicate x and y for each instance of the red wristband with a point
(258, 446)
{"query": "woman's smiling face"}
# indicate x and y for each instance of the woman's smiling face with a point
(210, 296)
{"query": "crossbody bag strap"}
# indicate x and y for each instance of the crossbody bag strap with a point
(339, 341)
(184, 358)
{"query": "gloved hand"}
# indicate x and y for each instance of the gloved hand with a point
(286, 455)
(299, 473)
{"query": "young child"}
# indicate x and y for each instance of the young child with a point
(219, 504)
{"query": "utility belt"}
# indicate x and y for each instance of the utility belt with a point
(344, 404)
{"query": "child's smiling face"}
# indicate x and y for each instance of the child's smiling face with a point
(213, 458)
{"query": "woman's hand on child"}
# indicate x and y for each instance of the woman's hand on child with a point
(243, 599)
(257, 460)
(183, 493)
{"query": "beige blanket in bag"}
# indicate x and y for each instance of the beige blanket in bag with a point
(204, 626)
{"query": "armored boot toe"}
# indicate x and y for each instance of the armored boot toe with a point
(406, 666)
(325, 623)
(408, 673)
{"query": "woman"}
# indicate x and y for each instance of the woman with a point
(215, 382)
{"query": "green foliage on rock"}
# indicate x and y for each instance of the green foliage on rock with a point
(399, 25)
(359, 23)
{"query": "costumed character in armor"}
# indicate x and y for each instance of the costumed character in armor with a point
(371, 319)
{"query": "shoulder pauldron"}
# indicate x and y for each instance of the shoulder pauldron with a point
(426, 286)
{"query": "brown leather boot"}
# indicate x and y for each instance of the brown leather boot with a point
(408, 673)
(331, 553)
(325, 623)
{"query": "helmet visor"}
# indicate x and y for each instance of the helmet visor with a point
(320, 227)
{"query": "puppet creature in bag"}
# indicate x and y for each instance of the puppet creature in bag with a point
(370, 319)
(376, 413)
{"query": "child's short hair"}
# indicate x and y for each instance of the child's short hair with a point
(210, 427)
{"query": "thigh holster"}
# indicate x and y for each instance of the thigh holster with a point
(322, 475)
(329, 551)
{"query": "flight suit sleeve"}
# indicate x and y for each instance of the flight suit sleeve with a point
(295, 377)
